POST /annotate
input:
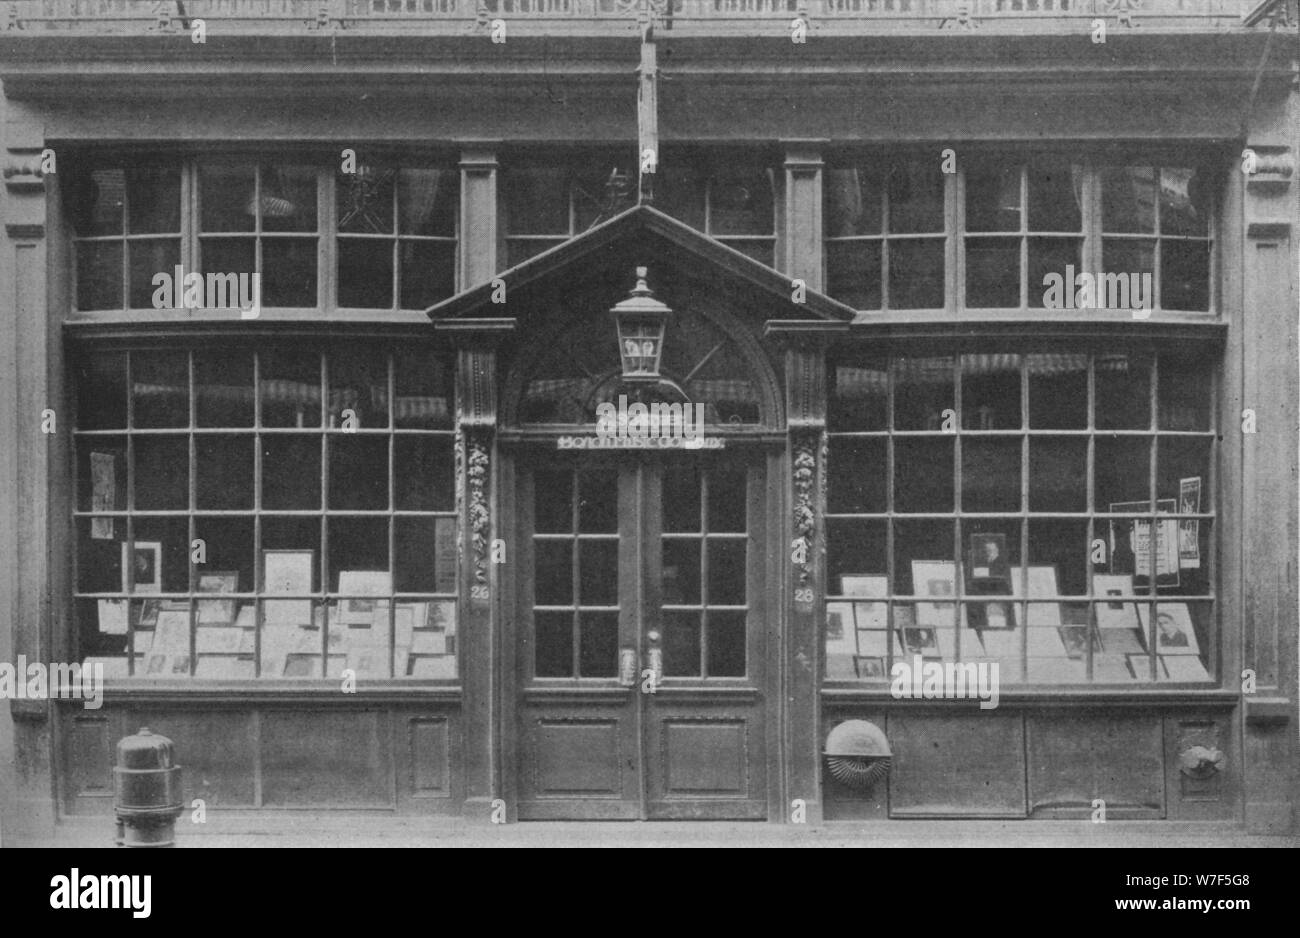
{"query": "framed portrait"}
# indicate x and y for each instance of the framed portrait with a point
(142, 566)
(363, 594)
(934, 578)
(1115, 613)
(841, 630)
(1175, 634)
(987, 563)
(218, 611)
(441, 616)
(991, 616)
(921, 640)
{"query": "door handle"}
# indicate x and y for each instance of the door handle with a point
(655, 654)
(627, 667)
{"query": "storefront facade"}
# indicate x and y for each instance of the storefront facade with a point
(974, 339)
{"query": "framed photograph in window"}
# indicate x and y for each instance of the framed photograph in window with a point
(841, 630)
(1175, 634)
(1130, 542)
(142, 566)
(1115, 613)
(987, 564)
(218, 611)
(921, 641)
(936, 578)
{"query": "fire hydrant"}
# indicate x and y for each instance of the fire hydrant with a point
(146, 791)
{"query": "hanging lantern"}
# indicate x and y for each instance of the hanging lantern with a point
(641, 320)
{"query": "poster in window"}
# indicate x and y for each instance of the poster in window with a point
(103, 494)
(1189, 532)
(142, 566)
(444, 555)
(1130, 542)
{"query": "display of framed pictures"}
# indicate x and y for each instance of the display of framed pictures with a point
(867, 585)
(218, 611)
(1115, 613)
(1175, 634)
(356, 589)
(289, 572)
(921, 640)
(142, 566)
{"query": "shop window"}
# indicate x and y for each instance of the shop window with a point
(547, 202)
(1047, 511)
(284, 512)
(396, 236)
(885, 234)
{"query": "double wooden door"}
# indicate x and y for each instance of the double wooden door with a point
(640, 639)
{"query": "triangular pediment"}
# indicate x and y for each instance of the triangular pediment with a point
(597, 267)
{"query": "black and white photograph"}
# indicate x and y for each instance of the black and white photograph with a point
(650, 423)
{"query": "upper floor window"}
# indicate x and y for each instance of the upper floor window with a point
(1044, 232)
(382, 238)
(548, 201)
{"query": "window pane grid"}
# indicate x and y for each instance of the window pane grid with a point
(1029, 602)
(177, 585)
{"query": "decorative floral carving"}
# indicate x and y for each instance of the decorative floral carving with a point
(805, 517)
(480, 521)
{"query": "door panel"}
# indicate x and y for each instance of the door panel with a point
(641, 562)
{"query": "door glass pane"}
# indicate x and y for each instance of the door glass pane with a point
(599, 648)
(681, 572)
(553, 656)
(681, 644)
(726, 501)
(553, 572)
(726, 572)
(726, 644)
(598, 568)
(681, 501)
(598, 503)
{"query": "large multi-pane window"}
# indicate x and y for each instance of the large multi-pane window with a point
(1049, 510)
(383, 237)
(548, 200)
(278, 511)
(1141, 232)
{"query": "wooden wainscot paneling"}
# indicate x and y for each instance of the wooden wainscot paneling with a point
(216, 750)
(429, 741)
(89, 746)
(575, 756)
(1077, 759)
(957, 766)
(1202, 767)
(328, 758)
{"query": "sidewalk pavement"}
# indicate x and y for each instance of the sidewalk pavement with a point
(312, 830)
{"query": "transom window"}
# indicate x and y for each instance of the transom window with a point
(278, 512)
(1010, 506)
(381, 238)
(1013, 222)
